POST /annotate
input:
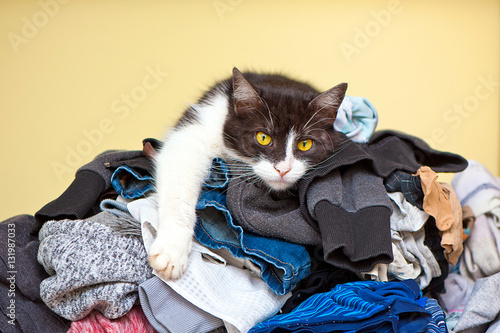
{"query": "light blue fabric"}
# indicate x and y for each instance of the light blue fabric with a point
(115, 207)
(282, 264)
(357, 118)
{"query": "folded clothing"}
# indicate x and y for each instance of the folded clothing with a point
(92, 267)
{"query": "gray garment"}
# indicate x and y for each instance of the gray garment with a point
(482, 312)
(458, 292)
(121, 221)
(275, 215)
(408, 235)
(351, 207)
(352, 190)
(92, 267)
(278, 215)
(167, 311)
(352, 211)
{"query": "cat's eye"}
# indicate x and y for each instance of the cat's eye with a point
(263, 138)
(305, 145)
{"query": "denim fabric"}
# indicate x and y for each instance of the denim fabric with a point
(282, 264)
(115, 207)
(130, 183)
(366, 306)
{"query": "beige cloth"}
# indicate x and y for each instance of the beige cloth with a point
(441, 202)
(452, 239)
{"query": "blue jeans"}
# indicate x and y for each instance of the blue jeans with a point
(130, 183)
(282, 264)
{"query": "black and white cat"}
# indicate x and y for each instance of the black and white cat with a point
(274, 127)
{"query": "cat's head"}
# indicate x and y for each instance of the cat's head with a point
(280, 127)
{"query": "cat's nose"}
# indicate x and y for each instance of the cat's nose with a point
(282, 170)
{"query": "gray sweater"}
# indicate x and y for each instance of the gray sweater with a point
(341, 205)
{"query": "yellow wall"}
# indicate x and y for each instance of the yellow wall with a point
(66, 68)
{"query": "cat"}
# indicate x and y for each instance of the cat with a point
(274, 128)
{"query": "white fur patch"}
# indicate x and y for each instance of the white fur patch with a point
(284, 174)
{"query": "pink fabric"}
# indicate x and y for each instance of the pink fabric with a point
(133, 322)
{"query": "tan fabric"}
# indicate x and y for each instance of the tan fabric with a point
(436, 202)
(441, 202)
(452, 239)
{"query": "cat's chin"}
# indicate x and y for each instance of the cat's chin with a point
(279, 185)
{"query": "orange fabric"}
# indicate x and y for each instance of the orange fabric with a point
(452, 239)
(441, 202)
(436, 203)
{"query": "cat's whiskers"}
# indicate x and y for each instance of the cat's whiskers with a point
(229, 136)
(318, 111)
(329, 105)
(269, 121)
(310, 119)
(328, 136)
(236, 181)
(321, 164)
(269, 111)
(319, 121)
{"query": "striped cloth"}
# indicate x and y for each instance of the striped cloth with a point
(362, 306)
(437, 324)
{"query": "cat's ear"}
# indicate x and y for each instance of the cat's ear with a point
(329, 101)
(245, 96)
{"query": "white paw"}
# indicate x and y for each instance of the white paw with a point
(169, 258)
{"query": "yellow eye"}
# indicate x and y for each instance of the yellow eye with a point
(305, 145)
(263, 139)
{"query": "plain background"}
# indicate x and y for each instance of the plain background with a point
(80, 77)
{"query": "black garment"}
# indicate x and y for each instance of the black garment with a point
(81, 198)
(322, 279)
(20, 279)
(433, 242)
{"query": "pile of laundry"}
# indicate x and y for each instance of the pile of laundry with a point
(369, 242)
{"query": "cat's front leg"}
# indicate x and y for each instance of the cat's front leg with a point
(181, 168)
(169, 253)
